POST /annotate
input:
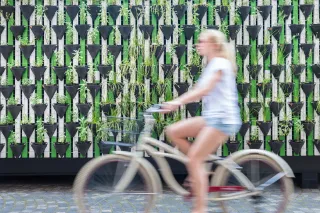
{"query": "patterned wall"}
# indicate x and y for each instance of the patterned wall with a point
(68, 64)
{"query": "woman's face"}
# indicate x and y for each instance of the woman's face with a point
(205, 46)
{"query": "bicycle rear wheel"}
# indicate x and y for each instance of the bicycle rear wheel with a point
(100, 185)
(259, 170)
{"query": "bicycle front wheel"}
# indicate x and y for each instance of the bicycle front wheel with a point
(106, 183)
(264, 173)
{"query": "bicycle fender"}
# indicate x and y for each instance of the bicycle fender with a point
(282, 163)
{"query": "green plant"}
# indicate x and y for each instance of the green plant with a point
(83, 92)
(265, 111)
(254, 134)
(61, 99)
(284, 126)
(75, 115)
(125, 67)
(281, 56)
(224, 27)
(13, 101)
(26, 82)
(26, 120)
(108, 59)
(124, 11)
(71, 75)
(225, 3)
(126, 105)
(140, 86)
(39, 61)
(49, 80)
(296, 98)
(59, 58)
(308, 1)
(61, 17)
(39, 13)
(36, 100)
(244, 115)
(52, 120)
(62, 139)
(297, 124)
(47, 34)
(69, 31)
(40, 131)
(14, 138)
(93, 34)
(104, 16)
(240, 78)
(24, 40)
(83, 12)
(237, 18)
(266, 2)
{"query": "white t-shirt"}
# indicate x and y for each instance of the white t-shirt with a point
(222, 100)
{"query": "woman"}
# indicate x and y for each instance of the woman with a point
(220, 114)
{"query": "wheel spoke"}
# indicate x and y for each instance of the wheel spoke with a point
(272, 180)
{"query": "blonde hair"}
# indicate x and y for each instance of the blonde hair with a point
(227, 50)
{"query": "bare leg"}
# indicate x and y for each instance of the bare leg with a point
(207, 142)
(178, 132)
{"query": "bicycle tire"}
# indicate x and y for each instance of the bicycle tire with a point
(222, 174)
(87, 171)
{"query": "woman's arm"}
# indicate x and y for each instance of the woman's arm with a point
(198, 91)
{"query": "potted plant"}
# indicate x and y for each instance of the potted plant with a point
(254, 142)
(17, 70)
(254, 107)
(14, 107)
(254, 68)
(104, 28)
(60, 28)
(71, 85)
(72, 126)
(286, 8)
(106, 66)
(244, 11)
(83, 106)
(115, 87)
(297, 144)
(93, 48)
(61, 106)
(93, 87)
(296, 105)
(113, 9)
(38, 106)
(287, 87)
(83, 29)
(39, 146)
(242, 86)
(265, 86)
(245, 122)
(307, 87)
(265, 125)
(48, 48)
(71, 48)
(50, 87)
(6, 126)
(307, 8)
(27, 87)
(38, 29)
(72, 9)
(51, 126)
(317, 141)
(243, 50)
(26, 47)
(61, 146)
(158, 9)
(27, 126)
(308, 125)
(137, 10)
(137, 88)
(125, 68)
(16, 146)
(60, 68)
(234, 29)
(50, 10)
(83, 144)
(38, 70)
(126, 105)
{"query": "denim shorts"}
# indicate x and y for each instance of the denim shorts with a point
(228, 129)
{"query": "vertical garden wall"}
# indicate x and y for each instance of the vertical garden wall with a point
(66, 65)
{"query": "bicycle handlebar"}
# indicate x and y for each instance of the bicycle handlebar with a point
(155, 108)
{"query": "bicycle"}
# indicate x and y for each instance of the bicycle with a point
(229, 181)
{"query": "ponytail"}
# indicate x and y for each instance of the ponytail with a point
(228, 52)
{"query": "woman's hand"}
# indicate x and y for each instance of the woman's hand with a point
(170, 106)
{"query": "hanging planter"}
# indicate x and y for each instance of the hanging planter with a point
(27, 50)
(276, 107)
(37, 31)
(71, 48)
(286, 9)
(316, 70)
(181, 87)
(201, 10)
(297, 69)
(254, 144)
(194, 69)
(317, 144)
(233, 31)
(116, 88)
(243, 50)
(114, 11)
(254, 70)
(84, 108)
(17, 30)
(307, 48)
(15, 110)
(276, 145)
(50, 90)
(60, 109)
(38, 72)
(306, 9)
(125, 31)
(296, 145)
(315, 105)
(243, 89)
(233, 146)
(1, 146)
(2, 70)
(72, 11)
(115, 50)
(315, 28)
(244, 12)
(94, 89)
(104, 70)
(253, 31)
(17, 149)
(83, 147)
(6, 90)
(94, 11)
(93, 49)
(287, 88)
(72, 128)
(264, 88)
(189, 31)
(307, 88)
(106, 108)
(264, 10)
(287, 49)
(105, 147)
(212, 27)
(50, 128)
(193, 108)
(275, 31)
(82, 71)
(137, 11)
(61, 148)
(158, 50)
(6, 130)
(28, 129)
(157, 10)
(296, 29)
(180, 10)
(254, 108)
(296, 107)
(105, 31)
(264, 126)
(60, 71)
(72, 89)
(276, 70)
(222, 11)
(27, 11)
(28, 90)
(244, 128)
(6, 51)
(265, 49)
(308, 127)
(18, 72)
(82, 30)
(50, 11)
(167, 30)
(48, 49)
(59, 30)
(39, 148)
(168, 69)
(146, 30)
(39, 109)
(180, 49)
(7, 11)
